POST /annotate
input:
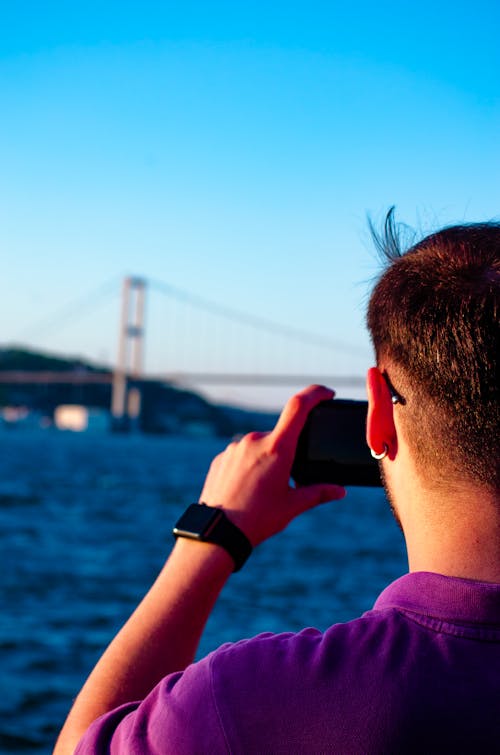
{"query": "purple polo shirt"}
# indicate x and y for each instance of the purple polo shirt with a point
(420, 673)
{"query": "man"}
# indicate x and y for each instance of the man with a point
(418, 673)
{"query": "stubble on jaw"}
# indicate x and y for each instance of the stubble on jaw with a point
(389, 496)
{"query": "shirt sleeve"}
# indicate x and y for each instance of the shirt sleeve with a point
(179, 715)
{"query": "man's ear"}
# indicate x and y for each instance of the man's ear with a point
(380, 427)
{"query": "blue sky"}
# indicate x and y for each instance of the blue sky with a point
(232, 150)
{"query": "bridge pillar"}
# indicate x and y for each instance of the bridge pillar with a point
(126, 400)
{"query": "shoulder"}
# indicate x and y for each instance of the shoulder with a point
(197, 705)
(271, 671)
(301, 687)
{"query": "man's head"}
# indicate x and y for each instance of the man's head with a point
(434, 318)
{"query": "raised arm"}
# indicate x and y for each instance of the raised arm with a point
(250, 481)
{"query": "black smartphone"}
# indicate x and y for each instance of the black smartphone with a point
(332, 446)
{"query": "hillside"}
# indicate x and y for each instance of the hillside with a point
(165, 407)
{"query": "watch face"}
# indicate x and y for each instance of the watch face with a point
(197, 521)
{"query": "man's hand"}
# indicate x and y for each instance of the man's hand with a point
(250, 480)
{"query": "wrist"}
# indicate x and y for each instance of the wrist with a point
(210, 524)
(198, 555)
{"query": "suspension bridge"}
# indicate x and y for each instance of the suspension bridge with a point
(200, 336)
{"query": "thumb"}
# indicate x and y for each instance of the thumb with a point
(309, 496)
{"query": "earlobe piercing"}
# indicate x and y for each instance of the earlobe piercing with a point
(381, 455)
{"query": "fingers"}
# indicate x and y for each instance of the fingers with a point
(312, 495)
(293, 417)
(251, 478)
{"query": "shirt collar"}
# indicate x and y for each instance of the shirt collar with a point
(446, 598)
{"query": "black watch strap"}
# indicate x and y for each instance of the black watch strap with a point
(211, 525)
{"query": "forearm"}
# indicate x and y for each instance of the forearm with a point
(250, 482)
(160, 637)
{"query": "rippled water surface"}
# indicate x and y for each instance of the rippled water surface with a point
(85, 525)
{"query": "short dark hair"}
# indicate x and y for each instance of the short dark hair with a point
(434, 319)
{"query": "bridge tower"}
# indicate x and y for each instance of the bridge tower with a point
(126, 399)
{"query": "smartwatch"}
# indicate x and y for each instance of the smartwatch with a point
(211, 525)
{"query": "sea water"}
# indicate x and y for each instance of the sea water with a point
(85, 523)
